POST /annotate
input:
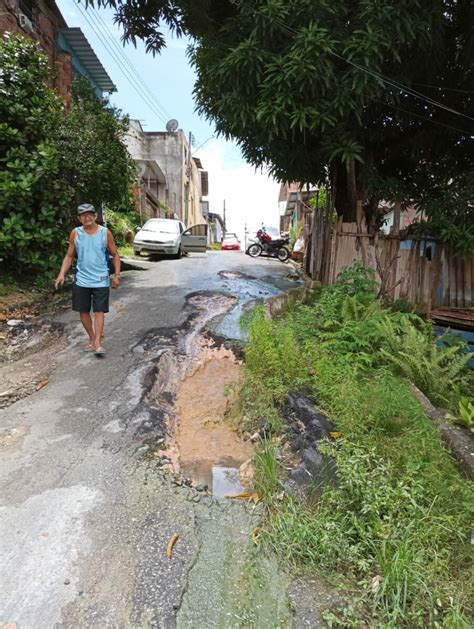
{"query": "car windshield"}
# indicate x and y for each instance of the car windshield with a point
(230, 237)
(163, 226)
(271, 231)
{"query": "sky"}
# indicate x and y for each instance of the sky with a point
(251, 197)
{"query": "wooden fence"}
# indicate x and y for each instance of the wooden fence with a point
(422, 271)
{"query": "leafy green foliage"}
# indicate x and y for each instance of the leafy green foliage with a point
(396, 528)
(50, 159)
(414, 354)
(451, 198)
(267, 472)
(34, 201)
(465, 413)
(122, 224)
(95, 161)
(304, 84)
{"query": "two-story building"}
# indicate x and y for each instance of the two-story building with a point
(68, 51)
(171, 182)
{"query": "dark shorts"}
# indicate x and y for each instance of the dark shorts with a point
(83, 298)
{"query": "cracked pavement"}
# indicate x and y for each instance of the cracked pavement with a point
(86, 514)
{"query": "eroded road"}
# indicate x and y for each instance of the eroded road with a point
(89, 489)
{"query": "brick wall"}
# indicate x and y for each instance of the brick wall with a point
(47, 21)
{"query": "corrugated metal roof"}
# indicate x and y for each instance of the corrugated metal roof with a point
(77, 41)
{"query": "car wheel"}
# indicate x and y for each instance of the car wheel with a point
(178, 255)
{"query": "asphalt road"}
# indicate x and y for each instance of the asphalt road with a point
(85, 515)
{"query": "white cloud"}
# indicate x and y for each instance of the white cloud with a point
(251, 197)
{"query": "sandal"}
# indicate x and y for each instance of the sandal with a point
(99, 351)
(89, 348)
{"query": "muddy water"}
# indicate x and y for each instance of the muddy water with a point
(209, 451)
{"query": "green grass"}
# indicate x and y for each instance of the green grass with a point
(267, 472)
(396, 530)
(126, 250)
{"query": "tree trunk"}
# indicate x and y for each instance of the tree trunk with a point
(344, 201)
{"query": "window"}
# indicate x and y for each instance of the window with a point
(26, 7)
(162, 225)
(198, 230)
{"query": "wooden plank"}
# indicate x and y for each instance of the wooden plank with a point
(452, 280)
(332, 256)
(469, 283)
(444, 301)
(459, 282)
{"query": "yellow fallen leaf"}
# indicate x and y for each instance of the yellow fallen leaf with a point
(255, 533)
(255, 497)
(243, 496)
(246, 495)
(41, 384)
(335, 435)
(171, 543)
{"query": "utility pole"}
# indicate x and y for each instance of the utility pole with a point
(188, 183)
(225, 226)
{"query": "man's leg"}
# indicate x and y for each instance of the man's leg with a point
(81, 303)
(99, 328)
(86, 321)
(100, 305)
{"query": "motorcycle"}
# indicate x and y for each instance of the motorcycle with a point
(266, 246)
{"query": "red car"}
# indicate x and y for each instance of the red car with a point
(230, 242)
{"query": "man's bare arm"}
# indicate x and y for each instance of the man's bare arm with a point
(68, 258)
(112, 247)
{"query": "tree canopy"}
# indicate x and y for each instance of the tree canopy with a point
(372, 95)
(51, 158)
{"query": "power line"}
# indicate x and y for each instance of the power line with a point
(126, 73)
(100, 22)
(446, 89)
(412, 113)
(377, 75)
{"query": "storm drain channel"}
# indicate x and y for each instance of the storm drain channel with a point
(194, 386)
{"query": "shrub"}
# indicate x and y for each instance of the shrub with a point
(34, 200)
(396, 529)
(50, 159)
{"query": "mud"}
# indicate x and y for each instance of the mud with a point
(187, 389)
(208, 450)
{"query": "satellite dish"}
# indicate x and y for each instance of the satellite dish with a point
(172, 125)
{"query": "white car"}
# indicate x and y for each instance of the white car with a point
(167, 236)
(273, 232)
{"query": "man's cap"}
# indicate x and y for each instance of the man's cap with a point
(85, 207)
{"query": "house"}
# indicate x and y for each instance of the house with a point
(170, 182)
(396, 218)
(216, 228)
(294, 203)
(67, 49)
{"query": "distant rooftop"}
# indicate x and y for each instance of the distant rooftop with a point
(77, 43)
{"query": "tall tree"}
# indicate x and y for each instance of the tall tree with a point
(95, 161)
(375, 90)
(51, 158)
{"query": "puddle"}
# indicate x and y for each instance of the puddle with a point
(209, 451)
(235, 275)
(221, 479)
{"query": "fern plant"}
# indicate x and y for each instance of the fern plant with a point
(413, 353)
(465, 414)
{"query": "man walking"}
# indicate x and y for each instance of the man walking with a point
(91, 285)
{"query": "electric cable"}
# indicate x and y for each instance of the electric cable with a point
(94, 14)
(412, 113)
(126, 73)
(377, 75)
